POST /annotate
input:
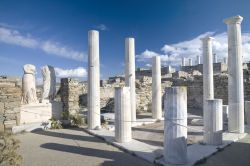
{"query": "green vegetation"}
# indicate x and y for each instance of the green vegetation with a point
(8, 147)
(76, 120)
(55, 124)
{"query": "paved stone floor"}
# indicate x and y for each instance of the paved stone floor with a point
(237, 154)
(71, 147)
(154, 133)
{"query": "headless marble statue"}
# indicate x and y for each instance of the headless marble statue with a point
(29, 85)
(49, 83)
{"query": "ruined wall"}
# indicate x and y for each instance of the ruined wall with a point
(10, 102)
(69, 92)
(217, 68)
(195, 89)
(144, 93)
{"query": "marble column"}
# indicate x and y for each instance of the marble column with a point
(175, 130)
(156, 88)
(123, 132)
(214, 129)
(208, 80)
(183, 59)
(130, 73)
(225, 60)
(190, 62)
(198, 60)
(225, 113)
(247, 112)
(94, 121)
(215, 58)
(235, 75)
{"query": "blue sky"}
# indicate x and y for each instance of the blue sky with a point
(55, 32)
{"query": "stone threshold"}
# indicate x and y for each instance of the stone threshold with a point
(154, 154)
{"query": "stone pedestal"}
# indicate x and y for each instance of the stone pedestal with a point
(156, 88)
(123, 132)
(213, 127)
(247, 112)
(235, 75)
(130, 73)
(40, 112)
(94, 120)
(175, 129)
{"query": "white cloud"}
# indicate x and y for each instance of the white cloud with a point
(78, 72)
(14, 37)
(102, 27)
(146, 55)
(57, 49)
(172, 53)
(148, 65)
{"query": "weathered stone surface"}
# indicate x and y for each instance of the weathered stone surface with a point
(49, 83)
(10, 101)
(70, 96)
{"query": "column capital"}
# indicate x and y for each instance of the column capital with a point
(207, 38)
(233, 20)
(130, 38)
(93, 31)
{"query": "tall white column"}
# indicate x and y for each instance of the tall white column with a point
(183, 59)
(214, 129)
(130, 73)
(225, 60)
(175, 131)
(198, 59)
(123, 124)
(215, 58)
(235, 75)
(190, 62)
(94, 121)
(208, 79)
(156, 88)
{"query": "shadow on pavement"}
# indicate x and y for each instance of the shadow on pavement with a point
(66, 136)
(118, 158)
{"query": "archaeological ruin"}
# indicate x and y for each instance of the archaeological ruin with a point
(210, 97)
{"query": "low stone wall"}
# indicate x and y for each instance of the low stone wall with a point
(195, 89)
(217, 68)
(10, 102)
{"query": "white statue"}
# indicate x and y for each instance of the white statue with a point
(29, 85)
(49, 83)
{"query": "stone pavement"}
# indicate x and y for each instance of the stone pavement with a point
(237, 154)
(67, 147)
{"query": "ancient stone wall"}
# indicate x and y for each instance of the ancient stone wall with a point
(69, 92)
(10, 102)
(217, 68)
(195, 89)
